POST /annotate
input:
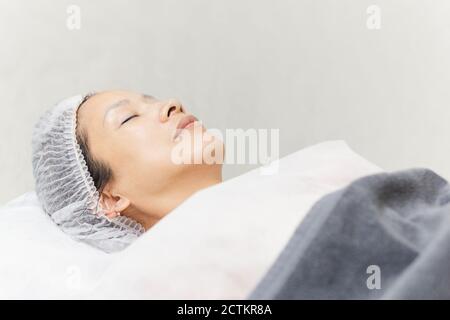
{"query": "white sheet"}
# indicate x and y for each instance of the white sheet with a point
(216, 245)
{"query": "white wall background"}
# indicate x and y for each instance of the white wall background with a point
(311, 68)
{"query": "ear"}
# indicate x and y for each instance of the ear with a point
(113, 204)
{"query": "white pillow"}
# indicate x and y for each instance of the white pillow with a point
(38, 260)
(216, 245)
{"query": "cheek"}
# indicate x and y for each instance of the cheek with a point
(153, 146)
(144, 152)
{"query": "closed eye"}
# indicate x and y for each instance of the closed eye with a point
(128, 119)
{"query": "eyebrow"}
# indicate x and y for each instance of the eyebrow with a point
(148, 97)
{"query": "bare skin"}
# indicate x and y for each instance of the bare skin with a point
(134, 135)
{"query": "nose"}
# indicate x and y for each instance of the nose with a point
(171, 107)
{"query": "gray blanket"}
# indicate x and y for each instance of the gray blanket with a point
(385, 236)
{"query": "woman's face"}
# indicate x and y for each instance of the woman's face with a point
(136, 136)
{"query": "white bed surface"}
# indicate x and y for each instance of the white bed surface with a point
(216, 245)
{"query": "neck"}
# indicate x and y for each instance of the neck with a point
(170, 199)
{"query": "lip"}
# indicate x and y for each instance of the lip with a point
(185, 122)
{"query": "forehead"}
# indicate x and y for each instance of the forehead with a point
(100, 101)
(97, 105)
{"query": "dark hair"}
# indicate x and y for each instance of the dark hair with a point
(100, 172)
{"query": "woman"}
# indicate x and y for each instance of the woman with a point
(107, 164)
